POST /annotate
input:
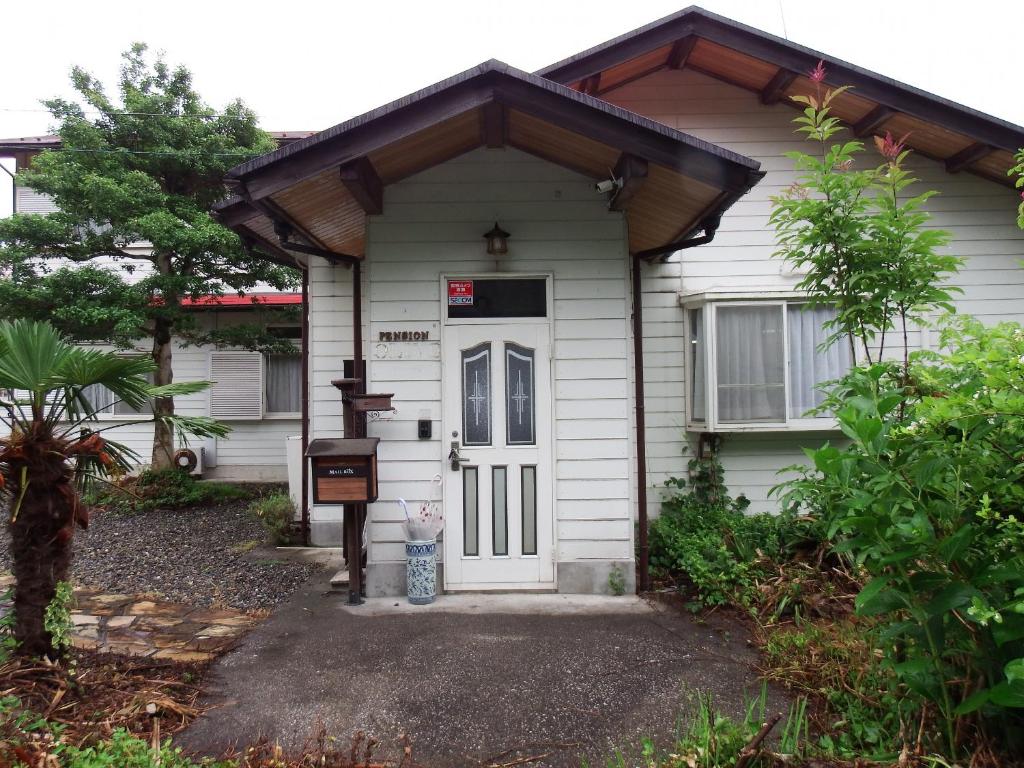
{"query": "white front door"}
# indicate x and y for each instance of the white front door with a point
(497, 419)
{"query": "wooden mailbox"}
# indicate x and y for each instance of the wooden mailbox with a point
(344, 470)
(364, 403)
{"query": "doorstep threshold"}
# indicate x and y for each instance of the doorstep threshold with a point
(523, 603)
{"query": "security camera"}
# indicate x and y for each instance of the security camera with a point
(608, 185)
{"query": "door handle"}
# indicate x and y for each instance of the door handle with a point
(454, 457)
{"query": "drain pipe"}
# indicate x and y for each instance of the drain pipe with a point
(644, 582)
(306, 535)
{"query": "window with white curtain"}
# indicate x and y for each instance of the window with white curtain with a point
(811, 360)
(284, 384)
(104, 403)
(760, 364)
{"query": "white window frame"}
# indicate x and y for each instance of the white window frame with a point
(709, 305)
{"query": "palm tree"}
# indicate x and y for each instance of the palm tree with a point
(52, 454)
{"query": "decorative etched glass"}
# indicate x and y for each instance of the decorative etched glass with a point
(519, 395)
(476, 395)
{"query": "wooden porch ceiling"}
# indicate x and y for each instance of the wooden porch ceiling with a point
(775, 69)
(323, 188)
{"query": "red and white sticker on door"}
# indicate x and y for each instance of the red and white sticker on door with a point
(460, 293)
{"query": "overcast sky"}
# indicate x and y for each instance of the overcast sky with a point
(306, 65)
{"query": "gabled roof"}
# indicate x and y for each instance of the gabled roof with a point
(776, 69)
(322, 187)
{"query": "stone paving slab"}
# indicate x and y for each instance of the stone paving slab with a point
(145, 625)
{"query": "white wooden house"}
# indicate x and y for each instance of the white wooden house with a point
(690, 117)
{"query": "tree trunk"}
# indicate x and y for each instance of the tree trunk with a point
(163, 433)
(41, 535)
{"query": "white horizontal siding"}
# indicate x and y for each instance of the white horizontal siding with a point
(979, 214)
(432, 225)
(257, 443)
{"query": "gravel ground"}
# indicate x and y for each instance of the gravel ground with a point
(203, 556)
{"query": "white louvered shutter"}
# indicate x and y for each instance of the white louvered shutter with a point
(237, 388)
(27, 200)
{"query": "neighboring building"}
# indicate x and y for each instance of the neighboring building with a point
(258, 395)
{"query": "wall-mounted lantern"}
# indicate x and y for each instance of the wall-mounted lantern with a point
(497, 241)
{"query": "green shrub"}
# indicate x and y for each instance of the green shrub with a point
(712, 739)
(927, 497)
(617, 581)
(122, 750)
(164, 489)
(58, 617)
(277, 514)
(705, 537)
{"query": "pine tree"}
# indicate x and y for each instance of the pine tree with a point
(134, 182)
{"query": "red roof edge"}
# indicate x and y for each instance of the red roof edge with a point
(248, 300)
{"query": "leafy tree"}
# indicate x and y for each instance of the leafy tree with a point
(51, 454)
(865, 250)
(144, 170)
(925, 492)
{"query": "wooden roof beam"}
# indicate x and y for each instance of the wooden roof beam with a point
(631, 172)
(493, 125)
(591, 85)
(277, 254)
(285, 226)
(775, 90)
(361, 180)
(967, 157)
(235, 211)
(873, 120)
(279, 216)
(681, 50)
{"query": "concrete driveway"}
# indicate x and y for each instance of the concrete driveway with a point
(473, 679)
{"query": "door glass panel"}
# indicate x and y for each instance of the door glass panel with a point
(470, 512)
(516, 297)
(529, 510)
(499, 503)
(519, 391)
(476, 395)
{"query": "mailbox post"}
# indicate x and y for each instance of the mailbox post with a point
(344, 471)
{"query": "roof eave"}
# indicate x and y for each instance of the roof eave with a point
(493, 81)
(797, 58)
